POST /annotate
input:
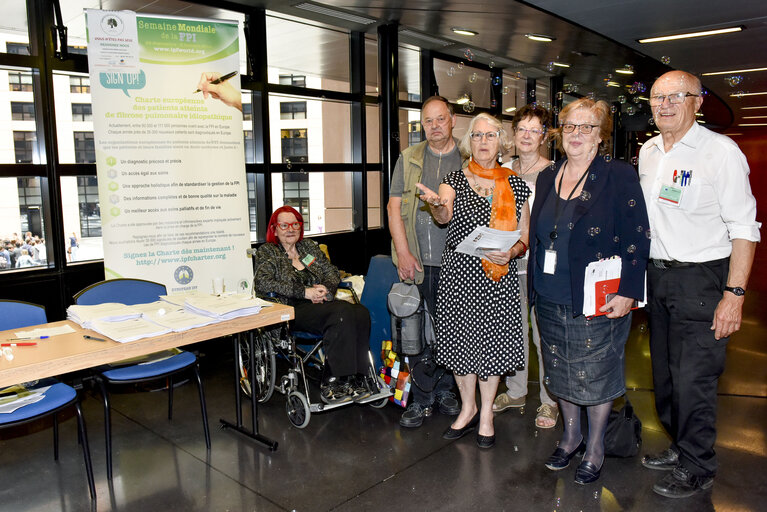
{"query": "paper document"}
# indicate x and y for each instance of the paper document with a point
(484, 239)
(44, 331)
(224, 307)
(107, 312)
(18, 396)
(601, 282)
(129, 330)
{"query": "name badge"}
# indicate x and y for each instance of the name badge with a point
(550, 261)
(670, 194)
(308, 260)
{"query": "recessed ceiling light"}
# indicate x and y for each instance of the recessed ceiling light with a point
(733, 134)
(733, 71)
(752, 108)
(510, 109)
(698, 114)
(754, 117)
(691, 34)
(464, 31)
(613, 84)
(741, 94)
(701, 121)
(561, 64)
(543, 38)
(752, 124)
(625, 71)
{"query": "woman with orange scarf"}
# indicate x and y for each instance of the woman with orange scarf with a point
(478, 324)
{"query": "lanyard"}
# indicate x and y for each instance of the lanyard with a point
(557, 214)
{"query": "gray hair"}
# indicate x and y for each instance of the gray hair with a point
(505, 142)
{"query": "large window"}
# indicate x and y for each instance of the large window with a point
(90, 212)
(18, 81)
(293, 110)
(295, 191)
(294, 80)
(22, 111)
(85, 150)
(294, 145)
(80, 84)
(82, 112)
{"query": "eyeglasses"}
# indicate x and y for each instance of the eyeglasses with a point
(583, 128)
(489, 136)
(285, 225)
(532, 132)
(674, 99)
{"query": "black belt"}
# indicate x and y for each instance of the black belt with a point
(682, 264)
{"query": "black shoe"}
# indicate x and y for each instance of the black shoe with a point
(447, 404)
(457, 433)
(587, 472)
(682, 484)
(665, 461)
(414, 415)
(360, 388)
(335, 392)
(560, 459)
(485, 441)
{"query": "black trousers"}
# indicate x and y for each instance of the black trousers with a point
(345, 330)
(434, 380)
(686, 358)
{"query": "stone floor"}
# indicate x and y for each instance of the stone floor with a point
(358, 458)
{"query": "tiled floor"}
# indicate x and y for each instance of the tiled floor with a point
(358, 458)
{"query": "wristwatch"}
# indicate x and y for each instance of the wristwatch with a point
(737, 290)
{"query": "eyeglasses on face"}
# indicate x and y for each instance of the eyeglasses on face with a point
(532, 132)
(489, 136)
(674, 99)
(285, 225)
(583, 128)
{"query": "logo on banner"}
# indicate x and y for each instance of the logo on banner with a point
(112, 24)
(183, 275)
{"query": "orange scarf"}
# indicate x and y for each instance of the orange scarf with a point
(503, 213)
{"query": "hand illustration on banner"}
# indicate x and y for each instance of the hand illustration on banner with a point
(218, 86)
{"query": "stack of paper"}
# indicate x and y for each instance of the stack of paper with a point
(107, 312)
(224, 307)
(17, 396)
(128, 330)
(601, 281)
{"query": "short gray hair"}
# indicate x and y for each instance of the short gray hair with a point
(504, 141)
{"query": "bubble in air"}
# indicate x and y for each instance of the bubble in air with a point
(651, 121)
(567, 88)
(468, 54)
(631, 249)
(734, 80)
(472, 78)
(288, 165)
(555, 110)
(491, 64)
(613, 109)
(532, 93)
(546, 380)
(630, 110)
(739, 94)
(570, 421)
(633, 89)
(550, 67)
(632, 202)
(636, 99)
(560, 95)
(640, 228)
(575, 87)
(666, 60)
(621, 99)
(493, 103)
(581, 374)
(607, 157)
(585, 195)
(599, 255)
(553, 349)
(460, 65)
(570, 226)
(451, 71)
(496, 80)
(505, 90)
(516, 449)
(555, 362)
(616, 239)
(634, 160)
(648, 234)
(518, 75)
(594, 176)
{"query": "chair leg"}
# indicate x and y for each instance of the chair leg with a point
(83, 436)
(107, 426)
(170, 397)
(196, 369)
(56, 437)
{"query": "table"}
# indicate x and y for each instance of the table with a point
(71, 352)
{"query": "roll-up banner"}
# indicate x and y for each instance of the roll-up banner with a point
(167, 116)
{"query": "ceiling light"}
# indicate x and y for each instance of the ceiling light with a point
(691, 34)
(741, 94)
(751, 108)
(754, 117)
(701, 121)
(625, 71)
(561, 64)
(342, 15)
(510, 109)
(540, 38)
(733, 134)
(699, 114)
(464, 31)
(463, 100)
(752, 124)
(733, 71)
(613, 84)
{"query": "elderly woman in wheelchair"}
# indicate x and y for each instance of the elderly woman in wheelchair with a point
(295, 271)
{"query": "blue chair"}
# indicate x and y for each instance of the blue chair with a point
(138, 291)
(15, 315)
(380, 276)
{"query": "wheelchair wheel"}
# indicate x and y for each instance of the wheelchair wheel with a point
(264, 365)
(298, 409)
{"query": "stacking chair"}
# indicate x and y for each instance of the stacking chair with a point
(138, 291)
(15, 315)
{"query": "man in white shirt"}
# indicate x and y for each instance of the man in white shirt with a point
(704, 233)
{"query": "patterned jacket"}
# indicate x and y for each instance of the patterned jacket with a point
(275, 272)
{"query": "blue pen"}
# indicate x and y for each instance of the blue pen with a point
(30, 338)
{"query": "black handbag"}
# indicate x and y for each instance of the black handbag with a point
(623, 436)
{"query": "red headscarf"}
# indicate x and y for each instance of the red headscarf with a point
(270, 236)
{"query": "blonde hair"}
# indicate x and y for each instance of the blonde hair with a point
(601, 111)
(504, 141)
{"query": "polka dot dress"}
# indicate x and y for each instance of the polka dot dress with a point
(478, 320)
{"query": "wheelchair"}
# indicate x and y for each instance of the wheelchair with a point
(304, 356)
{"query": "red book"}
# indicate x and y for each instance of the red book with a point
(604, 292)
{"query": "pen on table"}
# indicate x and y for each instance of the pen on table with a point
(92, 338)
(29, 338)
(33, 344)
(220, 79)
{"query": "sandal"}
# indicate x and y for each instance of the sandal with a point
(546, 412)
(504, 401)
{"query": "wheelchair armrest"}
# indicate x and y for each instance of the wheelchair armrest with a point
(346, 285)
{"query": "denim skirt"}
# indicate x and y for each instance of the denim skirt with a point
(583, 358)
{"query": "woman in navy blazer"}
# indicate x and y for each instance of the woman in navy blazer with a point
(587, 208)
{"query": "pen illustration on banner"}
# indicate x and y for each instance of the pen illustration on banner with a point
(218, 86)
